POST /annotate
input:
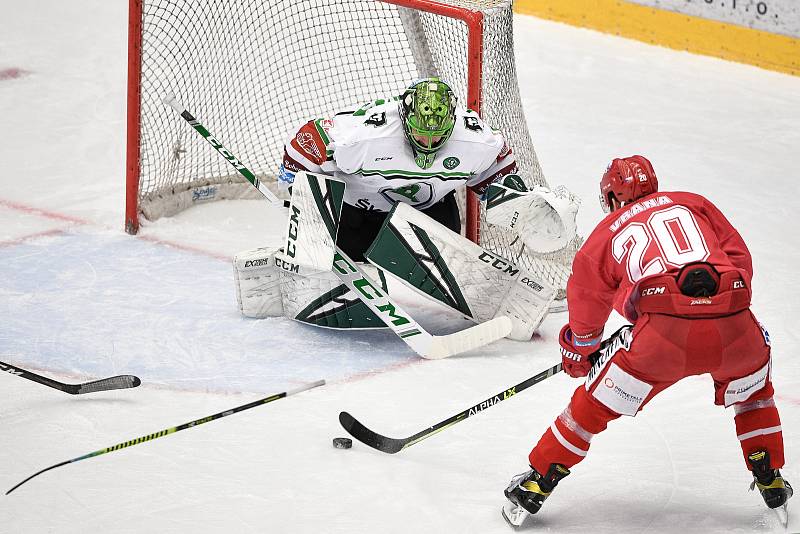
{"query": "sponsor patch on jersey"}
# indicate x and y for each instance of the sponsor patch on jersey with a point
(505, 151)
(451, 163)
(472, 123)
(765, 333)
(376, 119)
(285, 176)
(306, 142)
(621, 391)
(418, 194)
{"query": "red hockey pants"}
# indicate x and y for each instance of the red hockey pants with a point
(661, 351)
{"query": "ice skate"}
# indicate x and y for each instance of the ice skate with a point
(527, 492)
(773, 488)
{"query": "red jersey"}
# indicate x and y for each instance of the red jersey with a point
(658, 234)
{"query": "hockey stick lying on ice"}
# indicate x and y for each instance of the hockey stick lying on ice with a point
(104, 384)
(174, 429)
(395, 445)
(421, 341)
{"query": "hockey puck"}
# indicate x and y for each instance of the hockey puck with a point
(342, 443)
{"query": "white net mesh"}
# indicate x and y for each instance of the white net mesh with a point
(252, 71)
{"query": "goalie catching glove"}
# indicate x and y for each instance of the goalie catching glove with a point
(544, 219)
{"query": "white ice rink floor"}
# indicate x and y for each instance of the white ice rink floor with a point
(80, 299)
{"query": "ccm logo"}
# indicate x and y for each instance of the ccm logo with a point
(653, 291)
(498, 263)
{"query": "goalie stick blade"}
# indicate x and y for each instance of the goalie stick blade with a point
(106, 384)
(368, 437)
(468, 339)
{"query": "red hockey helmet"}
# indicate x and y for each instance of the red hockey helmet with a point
(626, 180)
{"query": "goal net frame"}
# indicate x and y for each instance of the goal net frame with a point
(478, 17)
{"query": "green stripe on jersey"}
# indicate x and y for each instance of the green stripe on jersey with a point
(322, 133)
(398, 174)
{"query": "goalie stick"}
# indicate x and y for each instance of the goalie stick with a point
(395, 445)
(427, 345)
(174, 429)
(104, 384)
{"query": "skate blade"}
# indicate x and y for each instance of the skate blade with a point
(514, 514)
(783, 514)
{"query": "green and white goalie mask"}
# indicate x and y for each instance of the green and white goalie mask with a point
(435, 261)
(428, 111)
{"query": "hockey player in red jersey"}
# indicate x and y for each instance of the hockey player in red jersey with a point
(672, 264)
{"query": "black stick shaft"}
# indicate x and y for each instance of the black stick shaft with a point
(174, 429)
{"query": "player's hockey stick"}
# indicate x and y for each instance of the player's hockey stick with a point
(104, 384)
(350, 273)
(395, 445)
(174, 429)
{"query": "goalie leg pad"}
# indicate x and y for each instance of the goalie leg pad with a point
(313, 223)
(433, 260)
(268, 284)
(258, 283)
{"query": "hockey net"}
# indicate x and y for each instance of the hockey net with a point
(254, 70)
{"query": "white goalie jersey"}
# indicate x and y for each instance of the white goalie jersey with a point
(368, 150)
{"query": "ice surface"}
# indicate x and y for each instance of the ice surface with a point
(79, 300)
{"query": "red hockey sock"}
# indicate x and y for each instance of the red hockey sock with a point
(758, 427)
(566, 442)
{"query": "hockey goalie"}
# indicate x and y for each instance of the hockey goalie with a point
(399, 162)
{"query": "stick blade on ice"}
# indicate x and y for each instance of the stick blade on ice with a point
(368, 437)
(106, 384)
(468, 339)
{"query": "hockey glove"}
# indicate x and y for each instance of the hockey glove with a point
(575, 351)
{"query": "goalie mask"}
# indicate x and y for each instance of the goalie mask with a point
(428, 110)
(626, 180)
